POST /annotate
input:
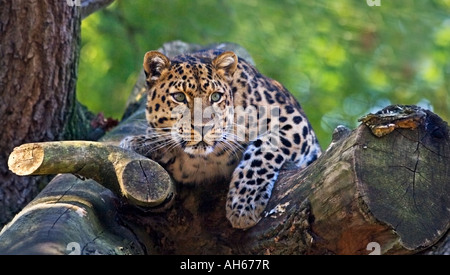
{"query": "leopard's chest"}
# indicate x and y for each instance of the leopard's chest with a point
(186, 168)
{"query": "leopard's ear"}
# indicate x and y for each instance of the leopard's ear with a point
(227, 62)
(154, 63)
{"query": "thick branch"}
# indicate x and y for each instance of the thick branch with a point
(90, 6)
(141, 180)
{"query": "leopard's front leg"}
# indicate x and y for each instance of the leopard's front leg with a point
(252, 182)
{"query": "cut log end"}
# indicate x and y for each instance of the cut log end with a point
(26, 159)
(146, 183)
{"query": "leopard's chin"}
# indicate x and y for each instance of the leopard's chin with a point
(199, 149)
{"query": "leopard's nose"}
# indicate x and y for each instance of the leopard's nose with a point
(202, 130)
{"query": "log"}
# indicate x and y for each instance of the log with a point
(70, 216)
(140, 180)
(381, 188)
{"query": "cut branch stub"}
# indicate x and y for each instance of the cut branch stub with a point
(418, 180)
(123, 172)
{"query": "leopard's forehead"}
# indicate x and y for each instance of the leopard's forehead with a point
(194, 76)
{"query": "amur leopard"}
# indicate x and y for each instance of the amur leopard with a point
(212, 115)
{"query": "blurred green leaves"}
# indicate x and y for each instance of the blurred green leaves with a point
(341, 59)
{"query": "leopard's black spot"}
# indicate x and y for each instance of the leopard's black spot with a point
(296, 137)
(285, 142)
(262, 171)
(241, 175)
(279, 159)
(280, 98)
(294, 155)
(286, 127)
(257, 95)
(236, 184)
(289, 109)
(257, 143)
(244, 76)
(251, 182)
(297, 119)
(303, 150)
(249, 174)
(256, 163)
(269, 97)
(269, 156)
(305, 132)
(162, 119)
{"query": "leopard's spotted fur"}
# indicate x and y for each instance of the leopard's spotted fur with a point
(213, 115)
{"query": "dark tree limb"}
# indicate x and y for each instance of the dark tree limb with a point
(70, 216)
(90, 6)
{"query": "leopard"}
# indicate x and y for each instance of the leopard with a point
(212, 115)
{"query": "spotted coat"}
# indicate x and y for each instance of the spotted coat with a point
(212, 115)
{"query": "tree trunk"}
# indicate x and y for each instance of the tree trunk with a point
(38, 73)
(39, 51)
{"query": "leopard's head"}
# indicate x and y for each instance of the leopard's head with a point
(190, 101)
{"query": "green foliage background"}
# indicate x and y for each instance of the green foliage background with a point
(341, 59)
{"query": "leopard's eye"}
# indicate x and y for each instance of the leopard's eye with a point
(180, 97)
(216, 96)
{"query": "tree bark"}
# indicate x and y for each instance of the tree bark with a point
(39, 52)
(38, 68)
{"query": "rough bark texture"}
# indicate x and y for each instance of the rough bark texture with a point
(38, 68)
